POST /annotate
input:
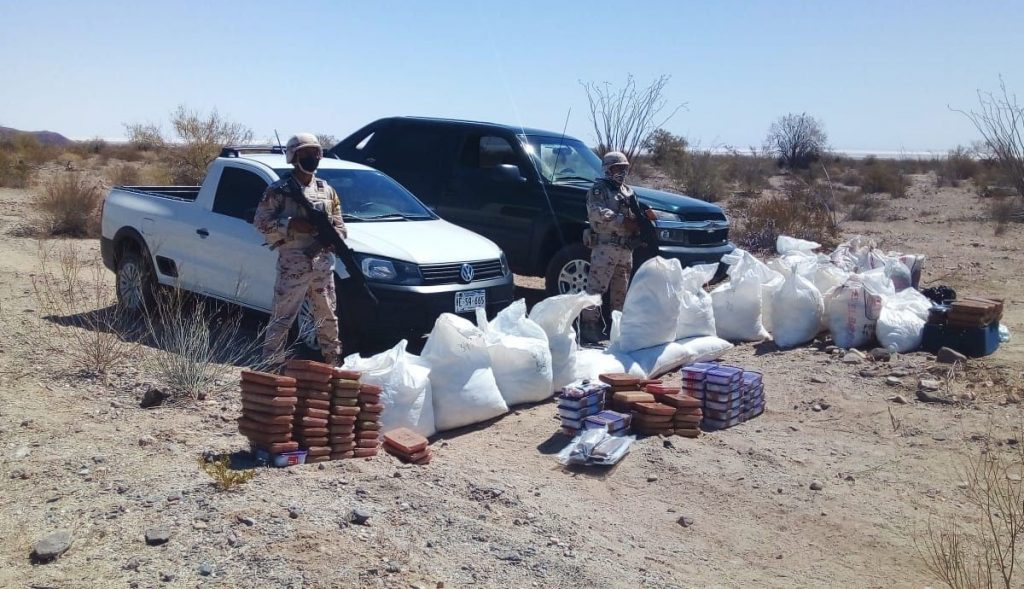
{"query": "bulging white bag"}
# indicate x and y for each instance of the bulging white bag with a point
(796, 308)
(852, 310)
(593, 362)
(555, 315)
(461, 377)
(651, 310)
(696, 316)
(738, 304)
(656, 361)
(406, 393)
(520, 356)
(901, 321)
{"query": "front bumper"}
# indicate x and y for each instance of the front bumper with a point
(410, 311)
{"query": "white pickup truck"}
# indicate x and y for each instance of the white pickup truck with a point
(201, 239)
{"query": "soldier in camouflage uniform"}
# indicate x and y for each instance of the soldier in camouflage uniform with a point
(615, 227)
(305, 270)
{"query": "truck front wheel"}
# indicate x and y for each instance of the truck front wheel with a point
(568, 269)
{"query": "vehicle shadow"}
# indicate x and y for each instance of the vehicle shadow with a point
(532, 295)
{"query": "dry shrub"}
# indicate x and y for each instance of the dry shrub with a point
(865, 209)
(156, 174)
(198, 343)
(70, 204)
(1004, 211)
(123, 175)
(883, 176)
(985, 549)
(750, 171)
(805, 212)
(223, 475)
(960, 164)
(701, 175)
(81, 312)
(14, 172)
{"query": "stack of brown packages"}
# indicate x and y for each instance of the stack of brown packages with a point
(653, 419)
(408, 446)
(268, 402)
(313, 384)
(344, 413)
(368, 423)
(627, 391)
(686, 420)
(974, 312)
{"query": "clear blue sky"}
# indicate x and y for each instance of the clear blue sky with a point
(879, 74)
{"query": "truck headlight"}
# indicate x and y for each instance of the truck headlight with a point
(390, 271)
(664, 215)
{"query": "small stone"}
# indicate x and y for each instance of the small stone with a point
(146, 441)
(52, 545)
(929, 385)
(685, 521)
(851, 357)
(880, 355)
(199, 525)
(84, 472)
(206, 569)
(360, 516)
(831, 349)
(509, 556)
(392, 567)
(245, 520)
(651, 478)
(849, 478)
(949, 356)
(152, 398)
(899, 399)
(19, 473)
(816, 407)
(21, 453)
(819, 379)
(1012, 399)
(235, 542)
(294, 512)
(116, 405)
(817, 485)
(176, 496)
(825, 405)
(99, 459)
(168, 576)
(893, 381)
(158, 535)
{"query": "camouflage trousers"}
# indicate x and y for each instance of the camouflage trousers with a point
(610, 266)
(300, 278)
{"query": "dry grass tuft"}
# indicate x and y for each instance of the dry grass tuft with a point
(223, 475)
(70, 203)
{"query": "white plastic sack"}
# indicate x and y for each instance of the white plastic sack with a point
(785, 244)
(406, 393)
(796, 308)
(852, 310)
(659, 360)
(878, 282)
(901, 321)
(520, 356)
(651, 309)
(738, 303)
(461, 378)
(555, 315)
(696, 315)
(593, 362)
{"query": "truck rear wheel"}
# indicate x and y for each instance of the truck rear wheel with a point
(136, 283)
(568, 269)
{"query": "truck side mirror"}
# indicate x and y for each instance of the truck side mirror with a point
(508, 173)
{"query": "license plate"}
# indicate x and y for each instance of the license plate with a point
(468, 300)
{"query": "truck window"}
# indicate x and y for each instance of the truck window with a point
(419, 157)
(238, 193)
(487, 151)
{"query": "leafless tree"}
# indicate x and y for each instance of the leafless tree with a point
(797, 140)
(625, 118)
(1000, 120)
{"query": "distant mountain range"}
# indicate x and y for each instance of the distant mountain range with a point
(49, 138)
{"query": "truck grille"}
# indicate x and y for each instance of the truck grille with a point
(451, 273)
(716, 237)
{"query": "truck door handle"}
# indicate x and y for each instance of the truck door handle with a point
(203, 233)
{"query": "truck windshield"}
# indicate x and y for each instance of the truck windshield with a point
(368, 195)
(562, 159)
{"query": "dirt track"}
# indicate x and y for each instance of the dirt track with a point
(494, 509)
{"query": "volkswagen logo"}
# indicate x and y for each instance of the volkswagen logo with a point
(466, 273)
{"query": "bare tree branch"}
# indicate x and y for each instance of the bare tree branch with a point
(624, 119)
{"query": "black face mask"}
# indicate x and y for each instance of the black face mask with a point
(309, 164)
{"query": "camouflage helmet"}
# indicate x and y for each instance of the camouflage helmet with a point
(299, 141)
(614, 158)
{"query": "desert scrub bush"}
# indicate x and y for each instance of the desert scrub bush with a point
(70, 203)
(14, 172)
(883, 176)
(749, 171)
(123, 174)
(82, 322)
(797, 140)
(1004, 211)
(805, 212)
(701, 175)
(198, 343)
(959, 164)
(224, 477)
(985, 549)
(866, 208)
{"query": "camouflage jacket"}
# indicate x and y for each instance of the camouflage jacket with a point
(276, 211)
(608, 208)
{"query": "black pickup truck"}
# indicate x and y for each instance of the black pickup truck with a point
(526, 189)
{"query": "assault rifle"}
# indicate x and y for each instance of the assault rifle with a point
(327, 235)
(644, 216)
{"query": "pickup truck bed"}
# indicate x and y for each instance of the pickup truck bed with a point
(187, 193)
